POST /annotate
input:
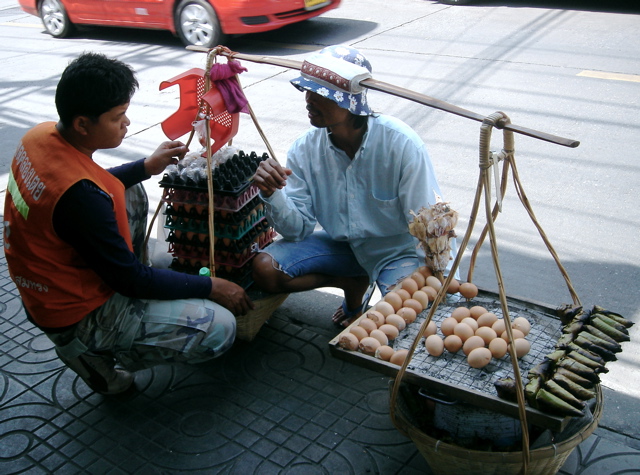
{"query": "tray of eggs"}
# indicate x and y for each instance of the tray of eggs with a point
(464, 349)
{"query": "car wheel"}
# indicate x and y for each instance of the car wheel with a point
(197, 24)
(55, 19)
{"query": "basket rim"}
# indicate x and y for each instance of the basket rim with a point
(549, 451)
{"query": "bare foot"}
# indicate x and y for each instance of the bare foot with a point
(345, 319)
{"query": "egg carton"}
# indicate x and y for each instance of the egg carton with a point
(221, 229)
(231, 177)
(226, 202)
(201, 212)
(237, 275)
(201, 254)
(261, 234)
(230, 255)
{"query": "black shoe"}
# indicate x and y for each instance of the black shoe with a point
(99, 373)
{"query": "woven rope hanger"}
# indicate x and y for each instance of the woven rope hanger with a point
(487, 161)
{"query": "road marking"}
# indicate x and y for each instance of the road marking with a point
(22, 25)
(612, 76)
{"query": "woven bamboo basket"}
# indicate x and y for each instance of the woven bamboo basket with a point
(445, 458)
(449, 459)
(248, 326)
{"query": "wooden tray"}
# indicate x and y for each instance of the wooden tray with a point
(451, 376)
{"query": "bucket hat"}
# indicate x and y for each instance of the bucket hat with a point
(335, 73)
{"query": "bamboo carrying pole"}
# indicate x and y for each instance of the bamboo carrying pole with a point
(406, 94)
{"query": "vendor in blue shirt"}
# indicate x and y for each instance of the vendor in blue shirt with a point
(357, 174)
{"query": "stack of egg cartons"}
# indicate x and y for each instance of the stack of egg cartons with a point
(240, 227)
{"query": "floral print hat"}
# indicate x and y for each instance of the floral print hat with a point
(335, 72)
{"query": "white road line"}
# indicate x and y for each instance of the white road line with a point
(610, 76)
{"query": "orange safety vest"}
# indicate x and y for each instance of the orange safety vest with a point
(56, 285)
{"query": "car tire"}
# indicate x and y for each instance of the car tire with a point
(197, 24)
(55, 19)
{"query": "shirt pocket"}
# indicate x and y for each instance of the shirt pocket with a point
(386, 217)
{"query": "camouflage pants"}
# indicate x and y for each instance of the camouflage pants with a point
(141, 333)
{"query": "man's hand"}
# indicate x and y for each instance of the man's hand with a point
(230, 296)
(168, 153)
(270, 176)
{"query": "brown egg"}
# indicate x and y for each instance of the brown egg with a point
(359, 332)
(421, 297)
(487, 334)
(425, 271)
(385, 308)
(419, 278)
(454, 286)
(463, 330)
(447, 326)
(522, 324)
(434, 345)
(472, 343)
(404, 295)
(367, 324)
(471, 322)
(516, 334)
(453, 343)
(414, 304)
(522, 347)
(460, 313)
(498, 347)
(434, 282)
(477, 310)
(430, 291)
(369, 345)
(376, 316)
(394, 299)
(408, 314)
(397, 321)
(398, 357)
(380, 336)
(479, 358)
(390, 330)
(468, 290)
(431, 329)
(487, 319)
(498, 326)
(409, 285)
(384, 352)
(348, 341)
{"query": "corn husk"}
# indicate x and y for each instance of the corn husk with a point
(433, 227)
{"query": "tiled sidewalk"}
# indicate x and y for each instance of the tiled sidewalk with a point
(280, 404)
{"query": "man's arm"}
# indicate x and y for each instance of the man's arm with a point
(84, 218)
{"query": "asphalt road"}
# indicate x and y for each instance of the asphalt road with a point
(567, 68)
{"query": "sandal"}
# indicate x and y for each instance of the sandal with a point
(344, 317)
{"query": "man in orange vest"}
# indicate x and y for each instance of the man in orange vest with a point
(73, 236)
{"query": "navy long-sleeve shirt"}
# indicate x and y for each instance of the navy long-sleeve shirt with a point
(84, 218)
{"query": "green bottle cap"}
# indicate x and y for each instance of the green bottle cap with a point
(204, 271)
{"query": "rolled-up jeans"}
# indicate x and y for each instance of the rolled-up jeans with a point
(141, 333)
(318, 253)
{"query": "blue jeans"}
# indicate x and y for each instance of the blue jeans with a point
(141, 333)
(319, 254)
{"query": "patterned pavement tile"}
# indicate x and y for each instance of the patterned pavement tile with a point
(280, 404)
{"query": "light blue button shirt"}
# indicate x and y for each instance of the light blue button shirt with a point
(365, 201)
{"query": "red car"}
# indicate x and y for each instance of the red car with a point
(195, 22)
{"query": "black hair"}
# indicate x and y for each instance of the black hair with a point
(93, 84)
(359, 121)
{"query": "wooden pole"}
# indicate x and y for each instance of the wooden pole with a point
(406, 94)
